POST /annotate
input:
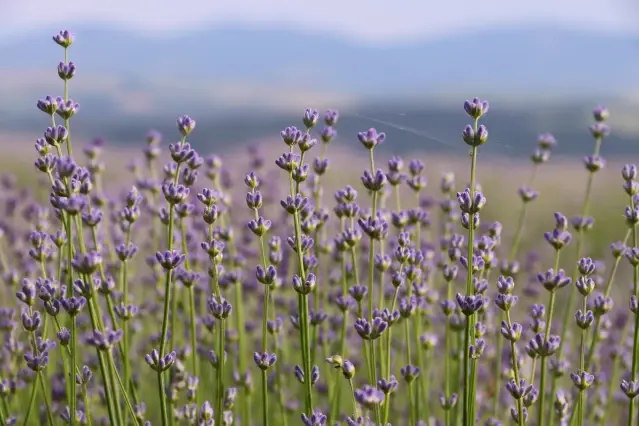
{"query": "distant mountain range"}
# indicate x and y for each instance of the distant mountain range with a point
(247, 84)
(500, 60)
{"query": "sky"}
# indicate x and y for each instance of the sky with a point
(369, 21)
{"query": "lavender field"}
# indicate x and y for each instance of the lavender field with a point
(303, 283)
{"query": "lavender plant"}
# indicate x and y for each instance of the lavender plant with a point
(386, 281)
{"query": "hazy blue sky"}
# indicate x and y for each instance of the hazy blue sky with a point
(367, 20)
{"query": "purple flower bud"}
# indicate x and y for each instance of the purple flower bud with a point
(306, 143)
(545, 347)
(369, 396)
(630, 388)
(477, 350)
(266, 276)
(511, 332)
(265, 360)
(310, 118)
(55, 136)
(552, 281)
(170, 259)
(473, 138)
(158, 363)
(448, 403)
(527, 194)
(185, 125)
(594, 163)
(584, 320)
(632, 256)
(49, 105)
(602, 305)
(506, 301)
(476, 108)
(36, 362)
(373, 182)
(585, 285)
(546, 141)
(260, 226)
(73, 305)
(515, 416)
(600, 113)
(104, 340)
(304, 287)
(582, 379)
(409, 373)
(370, 139)
(599, 130)
(67, 109)
(64, 38)
(470, 203)
(175, 194)
(540, 156)
(30, 321)
(220, 309)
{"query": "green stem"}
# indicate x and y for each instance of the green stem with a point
(126, 360)
(468, 417)
(411, 400)
(163, 408)
(611, 278)
(34, 390)
(303, 304)
(513, 350)
(635, 344)
(87, 408)
(542, 383)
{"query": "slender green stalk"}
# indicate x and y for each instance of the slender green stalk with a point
(514, 249)
(335, 406)
(163, 408)
(303, 303)
(221, 355)
(580, 242)
(67, 125)
(3, 420)
(355, 406)
(609, 281)
(635, 343)
(426, 380)
(378, 416)
(239, 317)
(74, 364)
(191, 298)
(447, 359)
(513, 351)
(87, 407)
(34, 391)
(371, 274)
(264, 325)
(411, 400)
(278, 377)
(543, 361)
(72, 328)
(614, 378)
(126, 356)
(582, 367)
(468, 417)
(220, 372)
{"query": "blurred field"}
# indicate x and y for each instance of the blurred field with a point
(561, 184)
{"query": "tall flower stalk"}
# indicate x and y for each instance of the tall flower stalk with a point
(470, 203)
(266, 274)
(545, 345)
(583, 223)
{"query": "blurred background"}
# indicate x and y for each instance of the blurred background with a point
(245, 69)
